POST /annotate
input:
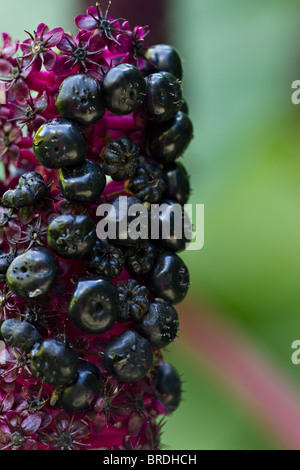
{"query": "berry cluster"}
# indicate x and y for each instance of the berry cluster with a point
(85, 121)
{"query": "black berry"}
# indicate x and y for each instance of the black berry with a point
(94, 305)
(177, 183)
(32, 274)
(71, 235)
(83, 183)
(163, 57)
(80, 394)
(163, 96)
(124, 89)
(53, 362)
(22, 335)
(105, 259)
(168, 385)
(59, 143)
(140, 259)
(148, 183)
(134, 301)
(31, 188)
(160, 324)
(80, 99)
(121, 158)
(128, 357)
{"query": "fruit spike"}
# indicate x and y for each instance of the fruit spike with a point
(86, 120)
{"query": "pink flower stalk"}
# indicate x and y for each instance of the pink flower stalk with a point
(36, 412)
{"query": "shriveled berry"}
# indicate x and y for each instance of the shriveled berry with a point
(30, 189)
(140, 259)
(160, 324)
(168, 141)
(59, 143)
(80, 394)
(53, 362)
(83, 183)
(128, 357)
(163, 96)
(71, 235)
(163, 57)
(94, 305)
(22, 335)
(169, 278)
(148, 183)
(32, 274)
(105, 259)
(168, 385)
(177, 183)
(80, 99)
(121, 158)
(124, 89)
(129, 217)
(134, 301)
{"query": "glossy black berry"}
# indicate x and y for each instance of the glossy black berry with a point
(105, 259)
(128, 357)
(127, 220)
(53, 362)
(160, 324)
(32, 274)
(134, 301)
(148, 183)
(80, 99)
(30, 189)
(168, 385)
(140, 259)
(59, 143)
(170, 226)
(83, 183)
(168, 141)
(80, 394)
(5, 261)
(163, 57)
(71, 235)
(94, 305)
(169, 278)
(124, 89)
(22, 335)
(177, 183)
(121, 158)
(163, 96)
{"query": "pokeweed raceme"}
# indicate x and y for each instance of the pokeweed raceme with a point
(85, 121)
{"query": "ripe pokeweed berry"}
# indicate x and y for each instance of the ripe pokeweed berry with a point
(105, 259)
(121, 158)
(167, 142)
(71, 235)
(169, 278)
(172, 227)
(94, 305)
(128, 357)
(148, 183)
(22, 335)
(163, 96)
(53, 362)
(160, 324)
(124, 89)
(123, 212)
(134, 301)
(80, 99)
(168, 385)
(163, 57)
(30, 189)
(140, 259)
(5, 261)
(59, 143)
(32, 274)
(80, 394)
(83, 183)
(177, 183)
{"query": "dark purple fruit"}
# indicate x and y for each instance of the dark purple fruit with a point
(22, 335)
(160, 324)
(163, 96)
(168, 385)
(128, 357)
(177, 183)
(32, 274)
(163, 57)
(121, 158)
(30, 189)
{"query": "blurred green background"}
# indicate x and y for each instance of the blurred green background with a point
(240, 59)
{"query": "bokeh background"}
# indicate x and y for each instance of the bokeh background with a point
(242, 390)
